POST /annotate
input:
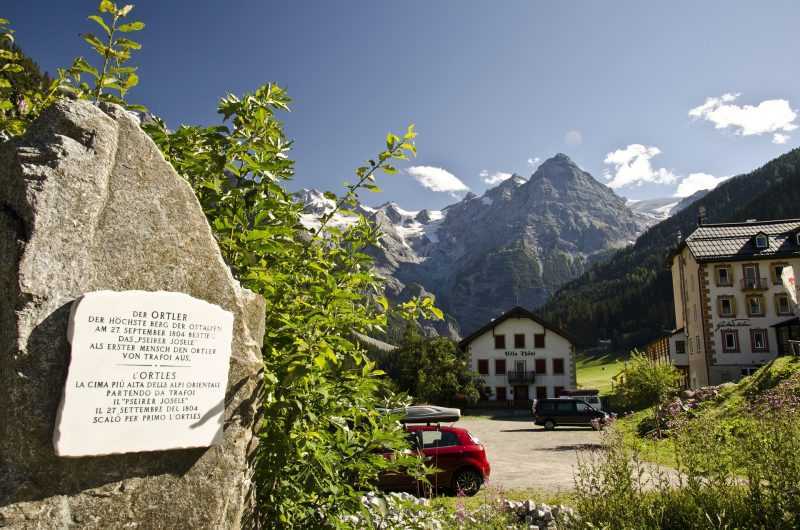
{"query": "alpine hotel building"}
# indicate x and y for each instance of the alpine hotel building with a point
(729, 298)
(520, 357)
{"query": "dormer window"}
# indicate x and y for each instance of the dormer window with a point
(762, 241)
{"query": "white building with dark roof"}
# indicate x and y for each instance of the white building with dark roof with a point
(729, 297)
(521, 357)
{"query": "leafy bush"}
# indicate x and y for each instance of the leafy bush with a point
(432, 370)
(645, 382)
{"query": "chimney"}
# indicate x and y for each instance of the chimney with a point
(701, 216)
(680, 237)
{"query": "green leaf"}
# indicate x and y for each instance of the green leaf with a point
(81, 65)
(107, 7)
(131, 26)
(131, 81)
(372, 187)
(122, 69)
(95, 43)
(384, 302)
(391, 140)
(102, 23)
(128, 44)
(389, 170)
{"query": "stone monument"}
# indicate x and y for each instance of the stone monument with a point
(89, 212)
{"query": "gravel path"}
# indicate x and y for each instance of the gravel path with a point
(523, 455)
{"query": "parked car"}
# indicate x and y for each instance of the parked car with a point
(552, 413)
(459, 457)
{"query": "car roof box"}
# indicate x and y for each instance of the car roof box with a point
(580, 392)
(428, 414)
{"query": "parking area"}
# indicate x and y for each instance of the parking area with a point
(523, 455)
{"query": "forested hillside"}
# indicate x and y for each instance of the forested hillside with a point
(628, 298)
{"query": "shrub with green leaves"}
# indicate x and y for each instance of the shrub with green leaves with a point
(431, 370)
(322, 434)
(25, 93)
(645, 382)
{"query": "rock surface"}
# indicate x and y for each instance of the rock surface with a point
(87, 202)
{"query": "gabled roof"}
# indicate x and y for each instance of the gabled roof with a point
(724, 241)
(515, 312)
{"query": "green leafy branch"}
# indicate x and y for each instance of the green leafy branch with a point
(396, 149)
(114, 52)
(24, 91)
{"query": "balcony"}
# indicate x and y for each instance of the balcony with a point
(520, 377)
(755, 284)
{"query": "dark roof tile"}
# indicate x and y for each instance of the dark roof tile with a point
(735, 240)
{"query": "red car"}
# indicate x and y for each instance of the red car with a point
(458, 455)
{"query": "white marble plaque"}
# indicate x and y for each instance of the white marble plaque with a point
(148, 372)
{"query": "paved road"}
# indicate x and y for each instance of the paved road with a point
(523, 455)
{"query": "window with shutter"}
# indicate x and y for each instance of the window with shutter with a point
(558, 366)
(499, 366)
(483, 366)
(541, 366)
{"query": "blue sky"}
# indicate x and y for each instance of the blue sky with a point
(491, 86)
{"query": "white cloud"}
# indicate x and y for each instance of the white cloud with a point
(632, 166)
(779, 138)
(534, 162)
(436, 179)
(494, 178)
(573, 137)
(769, 116)
(697, 181)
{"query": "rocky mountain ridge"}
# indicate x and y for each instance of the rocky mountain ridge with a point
(515, 244)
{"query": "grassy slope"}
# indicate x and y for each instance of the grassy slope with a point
(730, 405)
(596, 372)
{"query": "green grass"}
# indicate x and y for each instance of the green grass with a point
(596, 372)
(657, 451)
(729, 406)
(490, 494)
